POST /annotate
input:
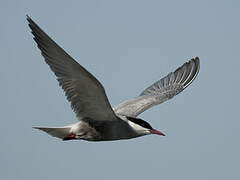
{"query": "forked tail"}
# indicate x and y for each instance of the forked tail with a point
(59, 132)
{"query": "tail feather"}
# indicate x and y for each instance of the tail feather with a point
(59, 132)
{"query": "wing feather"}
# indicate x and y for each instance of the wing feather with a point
(86, 94)
(162, 90)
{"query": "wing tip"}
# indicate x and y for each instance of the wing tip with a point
(196, 60)
(196, 68)
(184, 75)
(29, 19)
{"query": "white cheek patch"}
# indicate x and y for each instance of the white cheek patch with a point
(137, 128)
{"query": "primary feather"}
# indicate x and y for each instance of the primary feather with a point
(162, 90)
(86, 94)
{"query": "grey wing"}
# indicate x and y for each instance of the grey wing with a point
(162, 90)
(86, 94)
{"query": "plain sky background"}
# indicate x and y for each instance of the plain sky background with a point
(127, 45)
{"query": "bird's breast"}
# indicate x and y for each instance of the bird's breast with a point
(105, 130)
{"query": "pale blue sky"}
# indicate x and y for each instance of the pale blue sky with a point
(127, 45)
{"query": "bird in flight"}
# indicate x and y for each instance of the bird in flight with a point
(98, 121)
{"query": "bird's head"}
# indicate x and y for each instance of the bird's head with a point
(141, 127)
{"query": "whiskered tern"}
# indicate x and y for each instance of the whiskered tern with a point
(98, 121)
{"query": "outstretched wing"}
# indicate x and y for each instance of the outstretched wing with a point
(86, 94)
(162, 90)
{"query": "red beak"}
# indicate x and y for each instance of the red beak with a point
(154, 131)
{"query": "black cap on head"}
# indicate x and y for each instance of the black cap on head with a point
(140, 122)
